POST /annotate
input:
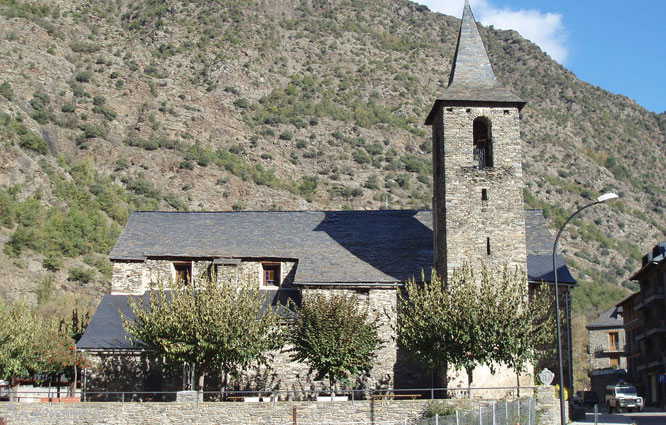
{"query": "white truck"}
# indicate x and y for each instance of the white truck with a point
(621, 397)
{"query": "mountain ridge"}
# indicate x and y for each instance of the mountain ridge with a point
(229, 105)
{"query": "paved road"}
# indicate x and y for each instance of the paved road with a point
(647, 418)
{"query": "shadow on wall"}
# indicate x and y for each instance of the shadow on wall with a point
(396, 243)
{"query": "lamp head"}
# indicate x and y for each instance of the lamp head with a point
(606, 197)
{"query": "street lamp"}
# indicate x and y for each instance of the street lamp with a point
(603, 198)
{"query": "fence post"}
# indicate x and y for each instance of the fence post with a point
(494, 414)
(480, 415)
(436, 418)
(518, 410)
(457, 418)
(596, 413)
(506, 412)
(122, 396)
(293, 415)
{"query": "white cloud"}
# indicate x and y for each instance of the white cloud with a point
(544, 29)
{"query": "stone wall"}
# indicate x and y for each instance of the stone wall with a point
(600, 353)
(230, 413)
(135, 277)
(464, 222)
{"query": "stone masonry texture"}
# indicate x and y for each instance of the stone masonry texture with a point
(230, 413)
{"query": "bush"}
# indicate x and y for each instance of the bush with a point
(79, 46)
(99, 100)
(79, 274)
(242, 103)
(440, 408)
(83, 77)
(67, 108)
(6, 91)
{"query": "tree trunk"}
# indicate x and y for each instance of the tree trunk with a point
(470, 372)
(73, 384)
(202, 378)
(517, 383)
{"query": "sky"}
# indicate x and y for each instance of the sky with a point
(618, 45)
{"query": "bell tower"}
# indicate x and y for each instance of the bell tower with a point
(478, 210)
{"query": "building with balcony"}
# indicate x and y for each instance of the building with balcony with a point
(645, 326)
(607, 344)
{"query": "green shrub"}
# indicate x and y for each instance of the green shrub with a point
(80, 46)
(99, 100)
(67, 108)
(83, 77)
(175, 202)
(361, 156)
(52, 261)
(440, 408)
(242, 103)
(79, 274)
(7, 91)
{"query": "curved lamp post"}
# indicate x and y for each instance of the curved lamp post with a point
(603, 198)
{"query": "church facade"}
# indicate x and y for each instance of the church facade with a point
(478, 216)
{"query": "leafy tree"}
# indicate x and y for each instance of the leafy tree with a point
(31, 344)
(469, 321)
(211, 325)
(335, 336)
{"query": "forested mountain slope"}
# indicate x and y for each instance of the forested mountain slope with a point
(108, 106)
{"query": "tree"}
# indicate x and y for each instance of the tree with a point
(335, 336)
(527, 321)
(466, 321)
(31, 344)
(214, 326)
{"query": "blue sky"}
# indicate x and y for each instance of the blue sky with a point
(618, 45)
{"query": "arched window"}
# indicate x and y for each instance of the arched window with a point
(483, 143)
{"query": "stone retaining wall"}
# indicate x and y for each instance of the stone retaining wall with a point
(233, 413)
(227, 413)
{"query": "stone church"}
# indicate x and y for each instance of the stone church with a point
(478, 216)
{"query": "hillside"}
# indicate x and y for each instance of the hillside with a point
(109, 106)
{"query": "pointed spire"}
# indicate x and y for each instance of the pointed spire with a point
(471, 67)
(472, 80)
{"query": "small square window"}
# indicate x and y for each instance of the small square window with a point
(271, 274)
(183, 272)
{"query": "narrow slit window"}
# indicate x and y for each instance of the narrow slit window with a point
(484, 195)
(488, 246)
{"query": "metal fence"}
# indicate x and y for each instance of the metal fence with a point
(519, 411)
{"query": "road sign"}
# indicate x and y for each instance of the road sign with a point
(661, 379)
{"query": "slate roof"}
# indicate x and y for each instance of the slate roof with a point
(342, 247)
(356, 247)
(472, 79)
(330, 246)
(106, 332)
(540, 251)
(611, 318)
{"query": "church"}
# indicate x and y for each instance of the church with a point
(477, 216)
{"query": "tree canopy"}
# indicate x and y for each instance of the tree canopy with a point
(470, 321)
(31, 344)
(212, 325)
(335, 336)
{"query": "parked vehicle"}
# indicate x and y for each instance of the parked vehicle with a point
(622, 396)
(585, 398)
